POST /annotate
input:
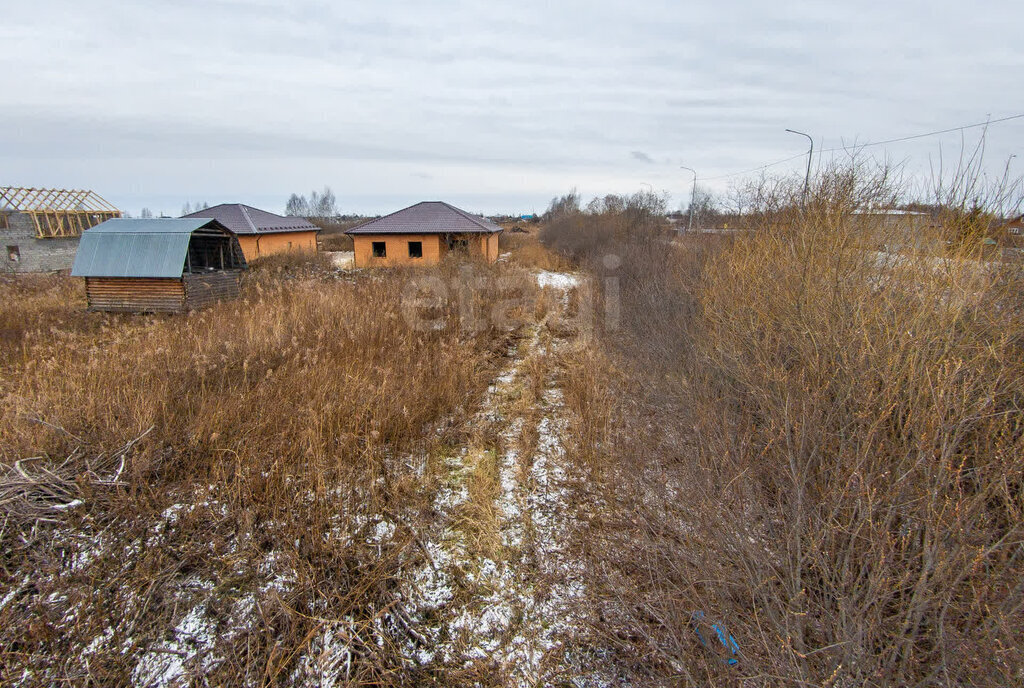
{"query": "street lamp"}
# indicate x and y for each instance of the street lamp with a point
(693, 193)
(810, 154)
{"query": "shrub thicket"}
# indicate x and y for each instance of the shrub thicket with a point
(831, 461)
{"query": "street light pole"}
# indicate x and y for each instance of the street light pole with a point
(810, 154)
(693, 193)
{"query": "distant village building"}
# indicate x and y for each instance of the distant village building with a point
(39, 228)
(158, 265)
(1015, 226)
(895, 215)
(261, 233)
(423, 234)
(901, 230)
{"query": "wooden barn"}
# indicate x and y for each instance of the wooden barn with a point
(423, 234)
(158, 265)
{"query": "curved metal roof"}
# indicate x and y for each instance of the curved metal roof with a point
(154, 225)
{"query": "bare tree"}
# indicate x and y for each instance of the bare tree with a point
(188, 208)
(297, 206)
(569, 204)
(704, 206)
(323, 205)
(320, 205)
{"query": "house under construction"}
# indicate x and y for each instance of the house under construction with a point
(40, 228)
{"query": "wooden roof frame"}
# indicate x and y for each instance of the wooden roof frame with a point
(58, 212)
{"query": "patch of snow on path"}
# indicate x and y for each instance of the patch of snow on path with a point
(513, 611)
(558, 280)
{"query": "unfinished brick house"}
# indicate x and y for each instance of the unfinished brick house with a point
(40, 228)
(423, 234)
(261, 233)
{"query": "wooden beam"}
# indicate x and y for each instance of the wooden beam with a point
(30, 199)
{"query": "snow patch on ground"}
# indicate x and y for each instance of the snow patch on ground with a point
(558, 280)
(13, 592)
(514, 610)
(432, 585)
(328, 659)
(382, 533)
(187, 653)
(342, 260)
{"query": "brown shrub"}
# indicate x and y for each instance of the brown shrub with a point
(335, 242)
(832, 466)
(525, 250)
(289, 263)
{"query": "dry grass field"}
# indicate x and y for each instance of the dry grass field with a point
(569, 468)
(306, 486)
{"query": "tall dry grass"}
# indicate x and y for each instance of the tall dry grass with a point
(832, 468)
(278, 433)
(525, 250)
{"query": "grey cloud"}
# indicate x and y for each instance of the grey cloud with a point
(560, 92)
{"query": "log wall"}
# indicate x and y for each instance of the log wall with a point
(135, 294)
(160, 295)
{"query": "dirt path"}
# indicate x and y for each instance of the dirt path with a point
(502, 596)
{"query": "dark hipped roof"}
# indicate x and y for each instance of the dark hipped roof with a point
(244, 219)
(428, 217)
(138, 248)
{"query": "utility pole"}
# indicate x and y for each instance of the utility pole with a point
(693, 193)
(810, 154)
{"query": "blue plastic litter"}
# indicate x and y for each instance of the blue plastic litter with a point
(724, 637)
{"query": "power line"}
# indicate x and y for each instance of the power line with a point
(755, 169)
(868, 145)
(930, 133)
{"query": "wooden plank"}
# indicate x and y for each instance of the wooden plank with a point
(205, 289)
(76, 200)
(135, 295)
(139, 295)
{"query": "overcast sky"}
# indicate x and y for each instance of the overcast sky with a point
(494, 106)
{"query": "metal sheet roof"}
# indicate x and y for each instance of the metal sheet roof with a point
(428, 217)
(244, 219)
(137, 248)
(156, 225)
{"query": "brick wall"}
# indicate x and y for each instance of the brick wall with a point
(397, 247)
(33, 255)
(259, 245)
